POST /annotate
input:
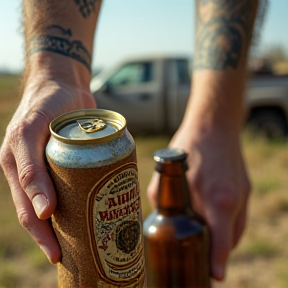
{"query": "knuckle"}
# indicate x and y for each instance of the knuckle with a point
(13, 130)
(3, 156)
(25, 220)
(18, 131)
(6, 159)
(5, 152)
(10, 143)
(27, 176)
(226, 199)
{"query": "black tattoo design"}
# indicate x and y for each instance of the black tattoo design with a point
(62, 30)
(222, 40)
(73, 49)
(86, 7)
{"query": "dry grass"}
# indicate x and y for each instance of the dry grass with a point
(261, 259)
(281, 67)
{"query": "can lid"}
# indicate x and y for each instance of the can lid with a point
(87, 129)
(169, 155)
(85, 125)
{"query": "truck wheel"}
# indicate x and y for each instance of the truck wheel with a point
(271, 125)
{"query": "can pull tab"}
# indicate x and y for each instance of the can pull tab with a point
(90, 126)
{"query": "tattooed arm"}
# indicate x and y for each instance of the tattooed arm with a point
(59, 37)
(60, 31)
(213, 119)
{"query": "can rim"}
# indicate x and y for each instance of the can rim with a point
(62, 120)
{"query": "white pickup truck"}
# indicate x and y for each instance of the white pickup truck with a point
(152, 93)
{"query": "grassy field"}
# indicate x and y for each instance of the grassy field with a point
(259, 261)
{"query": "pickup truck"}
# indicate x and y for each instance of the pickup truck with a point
(152, 93)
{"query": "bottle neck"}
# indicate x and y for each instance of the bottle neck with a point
(173, 193)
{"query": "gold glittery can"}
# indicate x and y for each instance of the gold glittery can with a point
(98, 220)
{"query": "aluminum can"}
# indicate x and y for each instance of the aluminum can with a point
(98, 220)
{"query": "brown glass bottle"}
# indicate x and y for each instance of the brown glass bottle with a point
(175, 237)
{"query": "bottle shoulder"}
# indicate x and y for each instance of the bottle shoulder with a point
(182, 225)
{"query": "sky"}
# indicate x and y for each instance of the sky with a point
(136, 27)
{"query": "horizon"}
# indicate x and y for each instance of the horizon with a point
(137, 28)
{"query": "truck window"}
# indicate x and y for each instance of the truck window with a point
(183, 71)
(132, 74)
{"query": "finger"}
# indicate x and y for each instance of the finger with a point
(239, 227)
(221, 243)
(152, 188)
(40, 230)
(34, 179)
(221, 210)
(240, 221)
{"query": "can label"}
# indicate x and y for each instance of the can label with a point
(116, 224)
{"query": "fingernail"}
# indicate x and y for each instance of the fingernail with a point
(219, 272)
(40, 202)
(54, 256)
(46, 251)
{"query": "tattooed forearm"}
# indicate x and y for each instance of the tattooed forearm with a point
(86, 7)
(223, 32)
(60, 45)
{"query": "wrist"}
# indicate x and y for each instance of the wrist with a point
(53, 67)
(48, 76)
(209, 121)
(196, 135)
(216, 102)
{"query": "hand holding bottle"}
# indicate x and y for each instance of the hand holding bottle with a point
(219, 188)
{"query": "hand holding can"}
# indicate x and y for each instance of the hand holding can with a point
(98, 220)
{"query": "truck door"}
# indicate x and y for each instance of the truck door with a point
(178, 91)
(132, 91)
